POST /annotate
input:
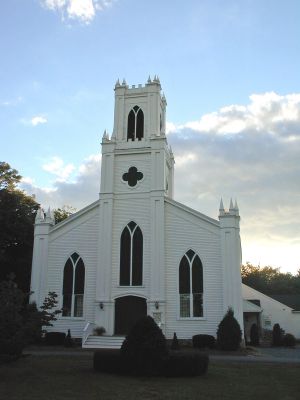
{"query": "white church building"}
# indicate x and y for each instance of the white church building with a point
(136, 251)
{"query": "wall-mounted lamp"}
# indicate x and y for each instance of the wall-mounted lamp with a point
(156, 304)
(101, 305)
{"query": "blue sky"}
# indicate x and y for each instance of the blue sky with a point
(229, 70)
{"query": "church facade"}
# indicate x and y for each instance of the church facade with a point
(136, 251)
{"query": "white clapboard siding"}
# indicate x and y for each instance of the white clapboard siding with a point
(80, 235)
(184, 231)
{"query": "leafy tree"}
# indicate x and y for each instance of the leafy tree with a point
(9, 177)
(12, 334)
(17, 213)
(48, 315)
(270, 280)
(229, 334)
(21, 323)
(63, 213)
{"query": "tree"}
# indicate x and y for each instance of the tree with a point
(9, 177)
(63, 213)
(17, 213)
(270, 280)
(21, 323)
(229, 334)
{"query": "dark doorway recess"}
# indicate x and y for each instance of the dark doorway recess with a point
(128, 310)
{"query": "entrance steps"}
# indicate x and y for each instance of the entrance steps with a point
(103, 342)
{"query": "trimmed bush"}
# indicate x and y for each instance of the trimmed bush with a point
(55, 338)
(68, 342)
(144, 348)
(289, 340)
(202, 341)
(109, 361)
(185, 364)
(99, 331)
(276, 336)
(229, 334)
(175, 343)
(254, 335)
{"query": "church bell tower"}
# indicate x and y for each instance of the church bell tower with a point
(137, 173)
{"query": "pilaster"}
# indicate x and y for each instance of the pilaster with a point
(231, 260)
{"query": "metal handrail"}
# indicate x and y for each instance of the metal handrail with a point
(88, 329)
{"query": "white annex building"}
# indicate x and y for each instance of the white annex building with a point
(136, 251)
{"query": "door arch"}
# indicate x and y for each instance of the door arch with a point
(128, 309)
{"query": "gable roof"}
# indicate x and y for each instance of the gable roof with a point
(290, 300)
(193, 212)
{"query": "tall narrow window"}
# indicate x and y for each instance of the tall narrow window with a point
(131, 256)
(190, 285)
(73, 287)
(135, 124)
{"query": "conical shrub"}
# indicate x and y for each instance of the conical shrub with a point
(229, 334)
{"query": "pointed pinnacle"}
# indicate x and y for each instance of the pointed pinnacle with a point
(236, 206)
(149, 79)
(221, 208)
(231, 205)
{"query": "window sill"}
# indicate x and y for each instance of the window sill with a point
(131, 286)
(68, 318)
(191, 319)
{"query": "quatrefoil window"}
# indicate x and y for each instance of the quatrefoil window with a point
(132, 176)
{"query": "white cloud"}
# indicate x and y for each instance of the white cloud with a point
(267, 112)
(81, 191)
(82, 10)
(57, 167)
(258, 165)
(11, 102)
(37, 120)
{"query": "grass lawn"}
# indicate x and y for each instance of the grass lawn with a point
(72, 377)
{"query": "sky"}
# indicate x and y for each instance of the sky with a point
(230, 70)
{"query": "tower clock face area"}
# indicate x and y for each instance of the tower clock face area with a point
(132, 176)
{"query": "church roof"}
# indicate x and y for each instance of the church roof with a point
(192, 211)
(290, 300)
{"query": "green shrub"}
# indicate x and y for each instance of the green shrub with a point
(55, 338)
(276, 335)
(144, 348)
(229, 334)
(185, 364)
(202, 341)
(175, 343)
(289, 340)
(254, 335)
(99, 331)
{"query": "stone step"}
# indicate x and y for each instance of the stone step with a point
(103, 342)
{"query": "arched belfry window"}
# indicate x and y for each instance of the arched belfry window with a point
(190, 285)
(135, 125)
(131, 256)
(73, 287)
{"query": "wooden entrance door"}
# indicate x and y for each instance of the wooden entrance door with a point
(128, 310)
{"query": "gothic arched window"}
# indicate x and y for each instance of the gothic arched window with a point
(131, 256)
(190, 285)
(73, 287)
(135, 124)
